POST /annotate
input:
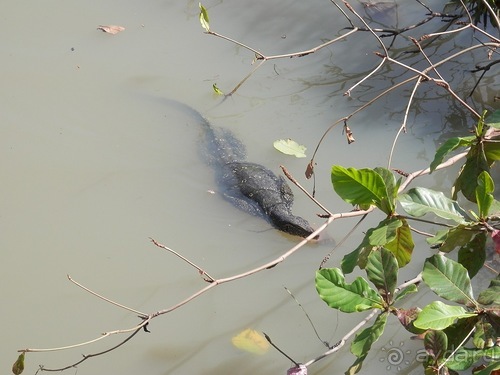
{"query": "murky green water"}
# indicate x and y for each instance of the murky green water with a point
(94, 164)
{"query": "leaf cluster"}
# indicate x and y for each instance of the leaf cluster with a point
(446, 329)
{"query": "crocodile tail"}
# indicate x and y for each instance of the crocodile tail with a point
(220, 145)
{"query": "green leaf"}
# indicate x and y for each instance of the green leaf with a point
(485, 335)
(412, 288)
(385, 232)
(402, 245)
(420, 201)
(290, 147)
(484, 197)
(490, 369)
(349, 261)
(438, 238)
(382, 271)
(460, 235)
(363, 187)
(473, 254)
(457, 332)
(18, 366)
(364, 340)
(435, 343)
(205, 22)
(388, 203)
(464, 358)
(493, 120)
(492, 294)
(448, 279)
(438, 316)
(354, 297)
(492, 151)
(449, 146)
(467, 178)
(217, 90)
(356, 366)
(495, 209)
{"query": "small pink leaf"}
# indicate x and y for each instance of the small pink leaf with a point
(495, 235)
(297, 370)
(111, 29)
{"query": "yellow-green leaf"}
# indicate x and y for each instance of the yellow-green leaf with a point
(251, 341)
(290, 147)
(217, 90)
(205, 22)
(18, 366)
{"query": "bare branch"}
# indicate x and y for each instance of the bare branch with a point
(200, 270)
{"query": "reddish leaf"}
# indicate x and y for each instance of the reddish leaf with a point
(111, 29)
(495, 235)
(297, 370)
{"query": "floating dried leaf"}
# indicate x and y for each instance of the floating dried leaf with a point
(251, 341)
(111, 29)
(290, 147)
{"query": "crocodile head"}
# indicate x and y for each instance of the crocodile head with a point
(285, 221)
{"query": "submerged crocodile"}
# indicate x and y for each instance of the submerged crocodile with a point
(248, 186)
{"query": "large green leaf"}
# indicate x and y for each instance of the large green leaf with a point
(388, 204)
(448, 279)
(449, 146)
(402, 245)
(385, 232)
(420, 201)
(458, 236)
(467, 178)
(364, 340)
(484, 197)
(382, 271)
(473, 254)
(438, 315)
(349, 261)
(363, 187)
(354, 297)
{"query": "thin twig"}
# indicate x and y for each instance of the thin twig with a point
(140, 313)
(296, 183)
(422, 172)
(200, 270)
(279, 350)
(342, 342)
(103, 336)
(88, 356)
